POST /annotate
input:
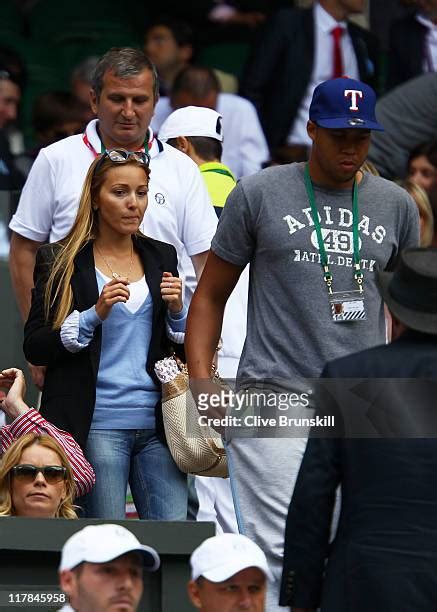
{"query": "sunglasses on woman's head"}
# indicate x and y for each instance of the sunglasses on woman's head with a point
(28, 473)
(120, 156)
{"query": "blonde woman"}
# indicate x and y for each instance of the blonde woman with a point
(426, 216)
(36, 479)
(26, 420)
(107, 305)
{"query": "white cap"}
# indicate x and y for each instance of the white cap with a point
(192, 121)
(222, 556)
(103, 543)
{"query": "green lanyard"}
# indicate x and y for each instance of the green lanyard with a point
(327, 275)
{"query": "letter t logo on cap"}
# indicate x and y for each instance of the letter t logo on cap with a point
(354, 94)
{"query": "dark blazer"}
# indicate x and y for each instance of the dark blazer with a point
(279, 69)
(406, 50)
(69, 392)
(384, 555)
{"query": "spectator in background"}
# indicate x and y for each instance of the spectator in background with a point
(413, 44)
(101, 569)
(26, 420)
(422, 165)
(409, 118)
(298, 49)
(169, 43)
(229, 572)
(426, 216)
(55, 115)
(82, 83)
(10, 95)
(198, 132)
(244, 148)
(36, 479)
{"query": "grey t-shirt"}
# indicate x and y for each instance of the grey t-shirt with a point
(267, 222)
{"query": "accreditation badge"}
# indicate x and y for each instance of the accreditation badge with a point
(347, 306)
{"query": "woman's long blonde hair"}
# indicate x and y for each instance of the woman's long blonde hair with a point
(86, 226)
(12, 457)
(423, 204)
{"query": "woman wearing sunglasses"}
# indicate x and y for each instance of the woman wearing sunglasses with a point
(26, 420)
(107, 305)
(36, 479)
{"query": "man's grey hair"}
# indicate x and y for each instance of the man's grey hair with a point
(124, 63)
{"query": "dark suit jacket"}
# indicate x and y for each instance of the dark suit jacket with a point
(69, 392)
(407, 50)
(384, 555)
(10, 177)
(278, 72)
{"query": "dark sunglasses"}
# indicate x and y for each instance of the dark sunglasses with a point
(28, 473)
(121, 156)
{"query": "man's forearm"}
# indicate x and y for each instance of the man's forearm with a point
(21, 265)
(201, 337)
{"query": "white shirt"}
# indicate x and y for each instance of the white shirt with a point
(178, 210)
(216, 504)
(244, 146)
(322, 68)
(138, 291)
(430, 56)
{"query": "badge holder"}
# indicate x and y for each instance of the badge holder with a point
(347, 306)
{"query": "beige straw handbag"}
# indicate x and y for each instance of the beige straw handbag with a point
(196, 449)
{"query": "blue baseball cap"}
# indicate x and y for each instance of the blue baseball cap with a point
(344, 103)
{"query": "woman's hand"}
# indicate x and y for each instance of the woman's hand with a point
(171, 292)
(12, 403)
(114, 291)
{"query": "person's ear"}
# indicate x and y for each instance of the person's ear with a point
(193, 594)
(311, 130)
(67, 582)
(93, 101)
(183, 144)
(397, 327)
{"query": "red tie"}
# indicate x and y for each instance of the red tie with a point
(337, 60)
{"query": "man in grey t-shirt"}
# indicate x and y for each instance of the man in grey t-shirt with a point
(295, 325)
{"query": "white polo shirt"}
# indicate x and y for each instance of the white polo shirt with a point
(178, 212)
